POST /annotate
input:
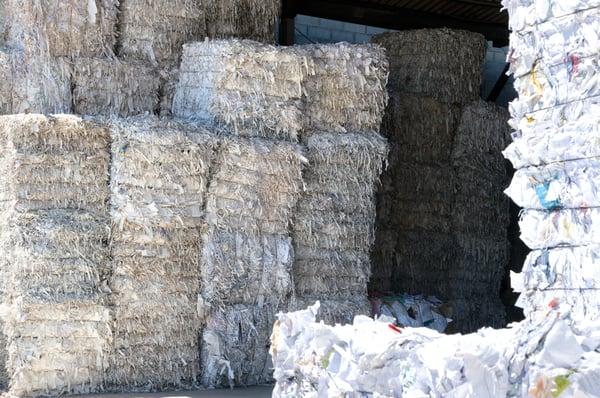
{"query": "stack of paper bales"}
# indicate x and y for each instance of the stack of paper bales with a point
(441, 214)
(154, 31)
(556, 117)
(54, 241)
(108, 86)
(266, 96)
(283, 92)
(245, 19)
(334, 222)
(159, 177)
(247, 256)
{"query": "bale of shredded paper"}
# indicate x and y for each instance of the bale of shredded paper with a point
(62, 28)
(247, 256)
(254, 89)
(53, 236)
(33, 83)
(155, 31)
(440, 63)
(58, 348)
(535, 358)
(235, 346)
(247, 251)
(273, 92)
(159, 178)
(345, 89)
(55, 262)
(441, 215)
(107, 86)
(419, 128)
(245, 19)
(51, 162)
(334, 219)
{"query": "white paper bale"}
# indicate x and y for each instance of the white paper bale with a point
(333, 228)
(538, 356)
(160, 172)
(558, 185)
(283, 92)
(68, 28)
(155, 31)
(107, 86)
(568, 227)
(253, 88)
(51, 162)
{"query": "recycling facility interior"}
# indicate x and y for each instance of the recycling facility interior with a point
(326, 172)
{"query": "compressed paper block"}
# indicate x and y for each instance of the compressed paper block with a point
(33, 83)
(245, 19)
(54, 234)
(283, 92)
(62, 28)
(441, 63)
(253, 88)
(159, 176)
(52, 162)
(155, 31)
(107, 86)
(334, 222)
(235, 346)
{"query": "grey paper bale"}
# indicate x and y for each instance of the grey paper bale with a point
(440, 63)
(442, 216)
(62, 28)
(333, 228)
(155, 30)
(107, 86)
(244, 19)
(34, 83)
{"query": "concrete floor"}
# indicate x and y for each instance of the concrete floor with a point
(251, 392)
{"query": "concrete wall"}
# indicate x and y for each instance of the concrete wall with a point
(319, 30)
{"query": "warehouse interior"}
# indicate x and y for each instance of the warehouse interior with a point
(181, 187)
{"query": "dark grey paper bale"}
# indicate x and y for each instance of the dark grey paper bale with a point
(442, 63)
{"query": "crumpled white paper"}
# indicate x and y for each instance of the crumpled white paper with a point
(372, 358)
